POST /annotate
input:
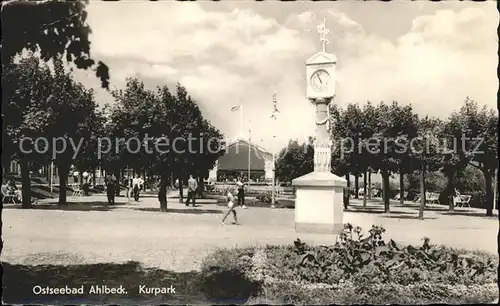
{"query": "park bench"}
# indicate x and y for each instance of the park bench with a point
(432, 197)
(8, 196)
(462, 200)
(77, 191)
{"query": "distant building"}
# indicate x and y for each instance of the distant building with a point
(235, 162)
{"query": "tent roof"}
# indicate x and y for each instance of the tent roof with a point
(236, 156)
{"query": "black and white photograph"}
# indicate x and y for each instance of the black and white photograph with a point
(249, 152)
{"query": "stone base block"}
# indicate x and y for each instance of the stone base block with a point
(319, 204)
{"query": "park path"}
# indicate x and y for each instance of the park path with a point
(178, 240)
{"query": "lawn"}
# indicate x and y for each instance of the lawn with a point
(89, 233)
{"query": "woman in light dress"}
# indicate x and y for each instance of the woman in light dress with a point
(230, 205)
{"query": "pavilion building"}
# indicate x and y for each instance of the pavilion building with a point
(240, 156)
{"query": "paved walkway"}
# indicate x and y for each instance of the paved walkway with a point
(90, 232)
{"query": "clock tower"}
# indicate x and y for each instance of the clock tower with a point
(319, 194)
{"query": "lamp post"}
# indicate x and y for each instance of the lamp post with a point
(274, 116)
(51, 176)
(273, 198)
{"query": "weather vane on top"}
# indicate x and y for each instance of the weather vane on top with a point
(323, 31)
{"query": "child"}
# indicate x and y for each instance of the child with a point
(230, 204)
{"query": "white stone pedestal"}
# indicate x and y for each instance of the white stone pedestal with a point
(319, 206)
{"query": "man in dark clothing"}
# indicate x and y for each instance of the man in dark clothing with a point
(110, 188)
(241, 193)
(192, 187)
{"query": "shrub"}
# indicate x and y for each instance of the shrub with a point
(478, 199)
(224, 276)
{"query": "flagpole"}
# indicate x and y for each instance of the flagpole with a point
(273, 194)
(241, 120)
(249, 157)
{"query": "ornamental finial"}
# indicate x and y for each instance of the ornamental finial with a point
(323, 31)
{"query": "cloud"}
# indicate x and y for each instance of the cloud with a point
(223, 57)
(445, 57)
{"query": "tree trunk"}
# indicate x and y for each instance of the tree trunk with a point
(118, 182)
(63, 183)
(422, 193)
(488, 178)
(201, 187)
(364, 189)
(347, 196)
(94, 171)
(369, 184)
(48, 172)
(401, 187)
(356, 186)
(385, 190)
(495, 190)
(26, 182)
(449, 191)
(181, 189)
(162, 193)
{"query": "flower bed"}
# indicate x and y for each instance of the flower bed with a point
(359, 269)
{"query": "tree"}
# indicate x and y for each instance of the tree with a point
(172, 135)
(295, 160)
(68, 117)
(25, 84)
(393, 122)
(350, 126)
(480, 127)
(406, 130)
(454, 159)
(53, 28)
(353, 126)
(427, 154)
(369, 118)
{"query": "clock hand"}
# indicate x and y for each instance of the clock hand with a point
(319, 78)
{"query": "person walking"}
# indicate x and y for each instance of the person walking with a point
(192, 187)
(110, 188)
(230, 205)
(136, 186)
(129, 187)
(241, 193)
(85, 182)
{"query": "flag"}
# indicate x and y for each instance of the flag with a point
(235, 108)
(275, 112)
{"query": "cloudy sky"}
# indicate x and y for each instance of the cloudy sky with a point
(429, 54)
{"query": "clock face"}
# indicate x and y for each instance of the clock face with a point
(320, 80)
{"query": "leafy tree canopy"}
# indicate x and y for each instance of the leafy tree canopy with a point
(53, 28)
